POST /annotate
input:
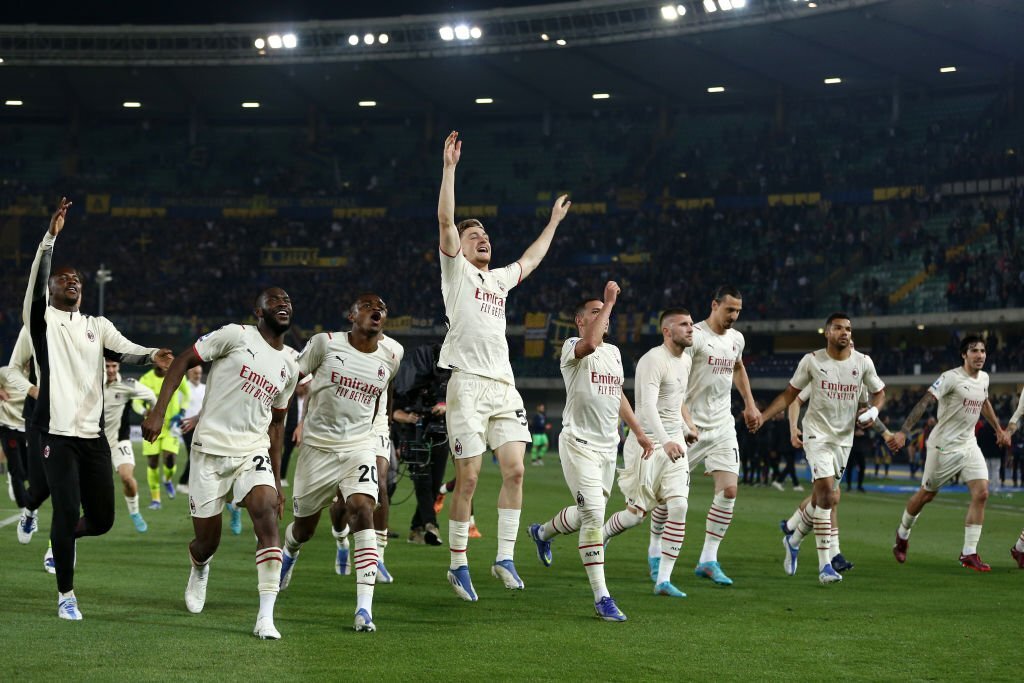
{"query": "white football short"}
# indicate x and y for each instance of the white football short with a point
(718, 449)
(382, 446)
(320, 474)
(122, 454)
(588, 472)
(646, 483)
(483, 413)
(826, 460)
(214, 480)
(941, 465)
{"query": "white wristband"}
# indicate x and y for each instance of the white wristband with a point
(868, 415)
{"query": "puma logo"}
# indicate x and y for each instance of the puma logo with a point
(247, 350)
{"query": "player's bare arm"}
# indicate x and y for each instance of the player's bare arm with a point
(990, 414)
(595, 332)
(57, 219)
(449, 234)
(781, 402)
(629, 417)
(793, 413)
(693, 434)
(751, 415)
(154, 421)
(536, 252)
(275, 430)
(899, 439)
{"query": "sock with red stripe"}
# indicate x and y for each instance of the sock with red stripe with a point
(565, 522)
(804, 526)
(382, 543)
(619, 522)
(823, 536)
(458, 538)
(659, 516)
(364, 566)
(268, 577)
(290, 544)
(591, 549)
(508, 529)
(672, 537)
(718, 521)
(834, 546)
(798, 518)
(1020, 543)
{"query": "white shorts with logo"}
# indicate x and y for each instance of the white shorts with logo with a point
(718, 449)
(382, 446)
(213, 478)
(588, 472)
(646, 483)
(483, 413)
(319, 474)
(826, 460)
(122, 454)
(941, 465)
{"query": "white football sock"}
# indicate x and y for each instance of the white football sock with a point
(591, 549)
(364, 566)
(290, 544)
(972, 534)
(718, 521)
(458, 538)
(133, 504)
(835, 542)
(659, 516)
(565, 522)
(382, 543)
(619, 522)
(508, 529)
(823, 536)
(268, 577)
(906, 524)
(803, 526)
(1020, 543)
(672, 538)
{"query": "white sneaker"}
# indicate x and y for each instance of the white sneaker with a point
(798, 487)
(195, 591)
(28, 524)
(285, 484)
(67, 608)
(10, 487)
(48, 564)
(264, 629)
(777, 486)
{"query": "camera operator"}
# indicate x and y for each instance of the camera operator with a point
(422, 436)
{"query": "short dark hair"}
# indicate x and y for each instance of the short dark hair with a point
(726, 290)
(668, 312)
(581, 307)
(970, 340)
(465, 225)
(838, 315)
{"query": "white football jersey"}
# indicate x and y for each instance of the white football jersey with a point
(960, 398)
(1017, 414)
(709, 390)
(381, 425)
(474, 303)
(248, 378)
(116, 395)
(836, 387)
(593, 391)
(660, 389)
(348, 390)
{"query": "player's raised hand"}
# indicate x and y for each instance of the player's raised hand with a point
(57, 219)
(646, 444)
(896, 441)
(163, 359)
(611, 292)
(795, 439)
(674, 451)
(560, 208)
(452, 149)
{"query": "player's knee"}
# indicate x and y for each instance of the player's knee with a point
(981, 496)
(513, 474)
(730, 491)
(360, 510)
(466, 483)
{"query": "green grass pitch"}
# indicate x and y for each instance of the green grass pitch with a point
(927, 620)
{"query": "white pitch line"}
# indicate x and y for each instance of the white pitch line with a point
(9, 520)
(1000, 507)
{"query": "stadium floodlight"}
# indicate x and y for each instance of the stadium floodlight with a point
(13, 103)
(561, 41)
(131, 105)
(739, 4)
(290, 41)
(462, 32)
(274, 41)
(681, 10)
(1, 60)
(947, 69)
(600, 96)
(369, 38)
(367, 103)
(920, 326)
(383, 39)
(484, 100)
(447, 33)
(259, 43)
(710, 6)
(833, 80)
(353, 40)
(545, 36)
(717, 88)
(250, 105)
(726, 5)
(669, 13)
(475, 33)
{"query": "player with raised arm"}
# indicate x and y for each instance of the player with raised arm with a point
(236, 448)
(352, 374)
(118, 393)
(483, 407)
(69, 349)
(660, 477)
(962, 394)
(593, 376)
(836, 375)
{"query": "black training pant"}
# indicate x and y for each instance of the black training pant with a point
(426, 480)
(82, 491)
(789, 456)
(38, 488)
(16, 452)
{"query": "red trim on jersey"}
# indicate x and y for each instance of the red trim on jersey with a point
(279, 410)
(196, 351)
(520, 280)
(450, 255)
(330, 335)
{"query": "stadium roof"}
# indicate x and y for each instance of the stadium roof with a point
(869, 45)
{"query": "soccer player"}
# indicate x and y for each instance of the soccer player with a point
(836, 375)
(352, 373)
(483, 407)
(539, 427)
(69, 349)
(962, 393)
(717, 365)
(17, 388)
(168, 443)
(593, 376)
(117, 393)
(236, 448)
(196, 394)
(1017, 551)
(660, 479)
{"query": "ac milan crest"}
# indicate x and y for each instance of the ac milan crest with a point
(854, 372)
(90, 335)
(380, 372)
(46, 451)
(458, 447)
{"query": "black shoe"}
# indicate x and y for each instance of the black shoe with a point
(431, 535)
(841, 564)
